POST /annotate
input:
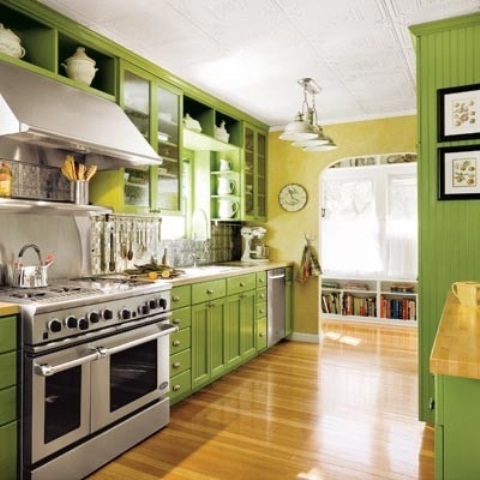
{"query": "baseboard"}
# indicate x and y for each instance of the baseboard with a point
(304, 337)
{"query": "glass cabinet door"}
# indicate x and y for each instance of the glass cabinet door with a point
(255, 174)
(261, 182)
(249, 169)
(136, 103)
(168, 175)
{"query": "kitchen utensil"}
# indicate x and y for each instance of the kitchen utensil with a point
(225, 186)
(227, 208)
(80, 66)
(10, 43)
(130, 244)
(468, 293)
(111, 263)
(31, 276)
(103, 251)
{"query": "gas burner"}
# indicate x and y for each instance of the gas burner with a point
(29, 294)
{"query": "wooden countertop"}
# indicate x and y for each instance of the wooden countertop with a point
(8, 309)
(456, 349)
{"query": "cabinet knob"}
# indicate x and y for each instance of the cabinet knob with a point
(242, 284)
(176, 343)
(261, 334)
(262, 296)
(176, 387)
(176, 365)
(262, 310)
(175, 298)
(176, 321)
(210, 291)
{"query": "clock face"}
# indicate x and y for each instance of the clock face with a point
(293, 197)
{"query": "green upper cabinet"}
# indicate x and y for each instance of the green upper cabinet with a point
(255, 178)
(154, 108)
(48, 45)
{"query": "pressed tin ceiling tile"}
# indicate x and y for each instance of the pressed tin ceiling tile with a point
(251, 53)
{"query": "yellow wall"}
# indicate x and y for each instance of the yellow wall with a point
(289, 164)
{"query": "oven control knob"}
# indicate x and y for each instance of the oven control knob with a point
(162, 303)
(107, 314)
(144, 309)
(153, 303)
(55, 325)
(71, 322)
(93, 317)
(83, 324)
(125, 314)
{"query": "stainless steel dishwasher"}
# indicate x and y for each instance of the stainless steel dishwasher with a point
(276, 305)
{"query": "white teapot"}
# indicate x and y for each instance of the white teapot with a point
(80, 66)
(225, 186)
(227, 208)
(10, 43)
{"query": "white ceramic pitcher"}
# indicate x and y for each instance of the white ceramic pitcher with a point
(225, 186)
(227, 208)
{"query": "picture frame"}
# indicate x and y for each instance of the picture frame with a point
(459, 173)
(458, 113)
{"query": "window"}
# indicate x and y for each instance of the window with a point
(369, 224)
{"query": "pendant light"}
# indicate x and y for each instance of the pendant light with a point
(307, 133)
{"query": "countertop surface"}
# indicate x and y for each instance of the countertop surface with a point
(213, 272)
(8, 309)
(456, 349)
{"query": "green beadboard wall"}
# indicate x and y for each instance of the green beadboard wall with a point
(448, 54)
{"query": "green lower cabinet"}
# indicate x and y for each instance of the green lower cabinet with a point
(8, 451)
(240, 328)
(208, 342)
(457, 428)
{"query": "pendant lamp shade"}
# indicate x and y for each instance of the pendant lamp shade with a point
(304, 131)
(298, 130)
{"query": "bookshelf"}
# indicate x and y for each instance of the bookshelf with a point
(380, 301)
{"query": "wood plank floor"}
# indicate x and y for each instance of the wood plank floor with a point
(343, 410)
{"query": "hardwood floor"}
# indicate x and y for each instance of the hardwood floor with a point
(343, 410)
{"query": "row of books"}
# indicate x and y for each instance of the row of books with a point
(398, 308)
(349, 304)
(342, 303)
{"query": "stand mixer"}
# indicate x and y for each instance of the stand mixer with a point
(258, 254)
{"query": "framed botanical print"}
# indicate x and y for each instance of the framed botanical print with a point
(458, 113)
(459, 173)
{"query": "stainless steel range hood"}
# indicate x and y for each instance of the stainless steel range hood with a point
(41, 111)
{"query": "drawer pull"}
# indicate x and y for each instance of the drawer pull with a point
(176, 365)
(210, 291)
(176, 387)
(242, 284)
(176, 343)
(262, 296)
(176, 321)
(261, 280)
(261, 334)
(175, 298)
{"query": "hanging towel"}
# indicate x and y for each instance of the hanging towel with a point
(309, 266)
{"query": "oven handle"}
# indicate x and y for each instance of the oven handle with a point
(47, 370)
(167, 329)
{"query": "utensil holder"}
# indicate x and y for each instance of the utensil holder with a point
(79, 192)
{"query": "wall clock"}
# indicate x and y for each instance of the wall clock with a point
(293, 197)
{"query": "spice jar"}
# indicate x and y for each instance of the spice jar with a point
(5, 180)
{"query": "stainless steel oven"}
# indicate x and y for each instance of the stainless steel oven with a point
(80, 390)
(96, 369)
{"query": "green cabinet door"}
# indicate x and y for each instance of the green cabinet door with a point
(240, 330)
(8, 451)
(208, 346)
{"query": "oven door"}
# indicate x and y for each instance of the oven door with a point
(57, 409)
(133, 372)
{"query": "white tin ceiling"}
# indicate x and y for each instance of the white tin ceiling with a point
(250, 53)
